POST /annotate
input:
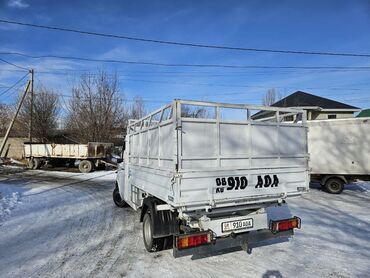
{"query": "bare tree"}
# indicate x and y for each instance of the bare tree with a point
(45, 115)
(5, 112)
(191, 111)
(271, 97)
(137, 108)
(96, 111)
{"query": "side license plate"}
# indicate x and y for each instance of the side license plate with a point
(237, 225)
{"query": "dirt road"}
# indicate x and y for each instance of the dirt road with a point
(66, 225)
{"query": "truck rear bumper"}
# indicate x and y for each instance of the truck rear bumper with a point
(242, 240)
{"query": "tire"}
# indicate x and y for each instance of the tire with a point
(151, 244)
(334, 186)
(37, 163)
(85, 166)
(117, 199)
(30, 164)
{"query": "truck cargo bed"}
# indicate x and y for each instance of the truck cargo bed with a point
(196, 155)
(76, 151)
(339, 147)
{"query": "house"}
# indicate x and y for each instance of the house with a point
(13, 147)
(364, 113)
(318, 108)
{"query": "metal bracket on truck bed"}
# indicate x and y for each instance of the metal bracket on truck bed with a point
(164, 207)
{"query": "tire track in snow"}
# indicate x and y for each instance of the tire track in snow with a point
(69, 251)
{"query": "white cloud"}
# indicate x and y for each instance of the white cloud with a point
(10, 27)
(119, 52)
(18, 4)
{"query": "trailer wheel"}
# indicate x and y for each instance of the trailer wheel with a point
(117, 198)
(37, 163)
(151, 244)
(85, 166)
(334, 185)
(34, 163)
(30, 164)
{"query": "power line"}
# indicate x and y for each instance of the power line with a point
(66, 71)
(218, 84)
(197, 45)
(202, 95)
(56, 71)
(115, 99)
(15, 84)
(169, 100)
(234, 85)
(157, 76)
(179, 64)
(15, 90)
(14, 65)
(240, 86)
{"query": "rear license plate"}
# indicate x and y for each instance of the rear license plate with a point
(237, 225)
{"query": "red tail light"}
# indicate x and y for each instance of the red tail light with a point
(285, 224)
(193, 240)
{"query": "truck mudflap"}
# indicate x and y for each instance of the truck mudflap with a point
(245, 241)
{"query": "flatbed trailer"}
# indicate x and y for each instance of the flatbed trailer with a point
(339, 152)
(91, 155)
(207, 174)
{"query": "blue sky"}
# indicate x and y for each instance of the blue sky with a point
(333, 26)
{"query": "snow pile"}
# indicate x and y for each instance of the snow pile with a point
(10, 169)
(16, 162)
(359, 186)
(8, 200)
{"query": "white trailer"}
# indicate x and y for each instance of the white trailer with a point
(339, 151)
(207, 175)
(90, 155)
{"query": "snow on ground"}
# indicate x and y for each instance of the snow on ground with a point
(9, 195)
(8, 200)
(67, 226)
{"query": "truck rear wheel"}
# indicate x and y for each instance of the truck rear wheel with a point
(151, 244)
(85, 166)
(334, 185)
(117, 198)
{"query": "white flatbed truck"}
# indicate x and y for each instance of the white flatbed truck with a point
(207, 176)
(339, 152)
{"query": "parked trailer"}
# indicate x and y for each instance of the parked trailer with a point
(339, 151)
(207, 175)
(90, 155)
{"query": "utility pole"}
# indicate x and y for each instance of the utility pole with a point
(14, 117)
(31, 108)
